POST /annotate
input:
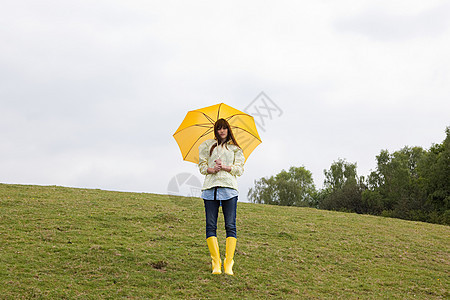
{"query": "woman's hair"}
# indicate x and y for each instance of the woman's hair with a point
(222, 123)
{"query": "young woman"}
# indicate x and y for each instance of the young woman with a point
(221, 160)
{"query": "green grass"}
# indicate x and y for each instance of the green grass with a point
(71, 243)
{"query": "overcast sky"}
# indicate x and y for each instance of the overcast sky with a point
(92, 91)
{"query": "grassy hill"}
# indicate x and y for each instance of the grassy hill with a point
(60, 242)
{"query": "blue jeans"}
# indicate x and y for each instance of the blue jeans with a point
(229, 214)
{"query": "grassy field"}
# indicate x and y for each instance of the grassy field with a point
(60, 242)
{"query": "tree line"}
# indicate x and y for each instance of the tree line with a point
(411, 183)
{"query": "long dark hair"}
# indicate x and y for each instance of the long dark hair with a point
(222, 123)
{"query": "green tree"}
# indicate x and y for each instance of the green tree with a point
(342, 188)
(395, 186)
(289, 188)
(412, 183)
(434, 169)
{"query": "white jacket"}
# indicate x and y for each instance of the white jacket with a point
(231, 155)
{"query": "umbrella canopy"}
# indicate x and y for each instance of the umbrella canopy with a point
(198, 126)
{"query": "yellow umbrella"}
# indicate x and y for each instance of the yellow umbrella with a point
(198, 126)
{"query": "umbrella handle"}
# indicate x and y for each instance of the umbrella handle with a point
(217, 147)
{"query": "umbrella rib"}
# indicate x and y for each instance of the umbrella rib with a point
(205, 133)
(206, 125)
(218, 111)
(247, 132)
(243, 114)
(208, 117)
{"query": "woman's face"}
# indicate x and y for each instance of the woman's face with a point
(223, 133)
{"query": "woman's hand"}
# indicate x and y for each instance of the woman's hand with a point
(225, 168)
(211, 170)
(214, 170)
(222, 167)
(218, 167)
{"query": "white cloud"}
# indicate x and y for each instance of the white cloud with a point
(380, 23)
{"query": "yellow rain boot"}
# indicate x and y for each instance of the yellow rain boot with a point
(213, 247)
(228, 262)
